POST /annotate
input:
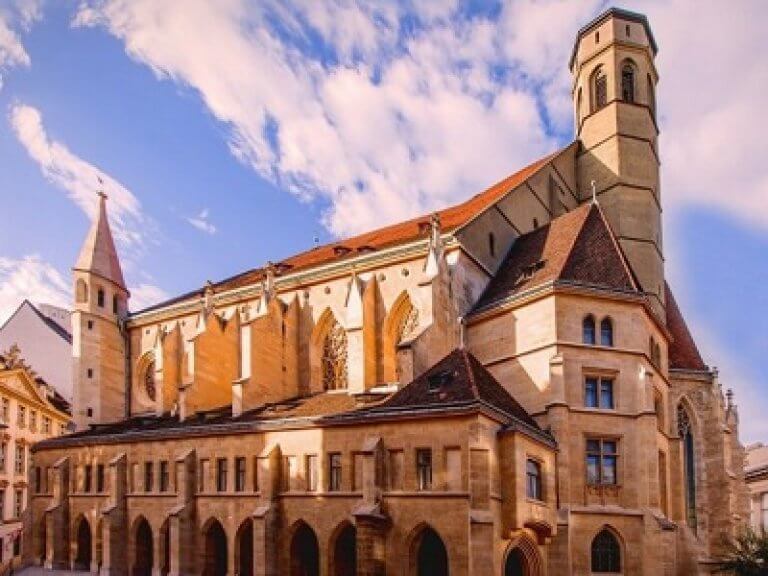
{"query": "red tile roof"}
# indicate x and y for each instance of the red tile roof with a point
(683, 352)
(400, 233)
(577, 247)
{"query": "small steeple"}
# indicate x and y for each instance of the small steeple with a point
(98, 254)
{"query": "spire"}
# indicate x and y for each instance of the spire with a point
(98, 254)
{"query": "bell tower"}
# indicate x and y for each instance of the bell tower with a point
(98, 344)
(614, 87)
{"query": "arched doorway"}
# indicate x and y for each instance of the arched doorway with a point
(345, 552)
(42, 536)
(83, 552)
(244, 552)
(305, 552)
(165, 549)
(143, 559)
(215, 562)
(428, 554)
(516, 564)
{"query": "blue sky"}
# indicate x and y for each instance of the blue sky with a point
(234, 132)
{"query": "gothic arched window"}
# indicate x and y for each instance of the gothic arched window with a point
(588, 330)
(100, 296)
(599, 89)
(606, 553)
(651, 97)
(606, 332)
(408, 323)
(334, 359)
(685, 431)
(148, 380)
(628, 82)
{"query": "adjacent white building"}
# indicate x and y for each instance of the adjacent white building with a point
(44, 335)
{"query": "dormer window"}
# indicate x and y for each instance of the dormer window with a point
(437, 380)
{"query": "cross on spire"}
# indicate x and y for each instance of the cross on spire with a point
(100, 192)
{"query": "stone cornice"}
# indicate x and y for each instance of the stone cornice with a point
(295, 280)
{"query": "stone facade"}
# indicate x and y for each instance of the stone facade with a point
(30, 411)
(756, 475)
(504, 387)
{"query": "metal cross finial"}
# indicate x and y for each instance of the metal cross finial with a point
(594, 192)
(101, 192)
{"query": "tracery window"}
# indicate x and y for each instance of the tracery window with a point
(334, 360)
(149, 381)
(685, 431)
(408, 324)
(599, 90)
(606, 553)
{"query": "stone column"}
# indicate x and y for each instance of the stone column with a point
(115, 520)
(266, 517)
(57, 527)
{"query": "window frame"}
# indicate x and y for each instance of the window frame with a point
(164, 476)
(88, 478)
(534, 483)
(424, 469)
(149, 476)
(240, 473)
(628, 74)
(335, 468)
(607, 335)
(222, 475)
(601, 382)
(589, 326)
(602, 455)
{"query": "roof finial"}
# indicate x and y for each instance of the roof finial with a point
(100, 192)
(594, 193)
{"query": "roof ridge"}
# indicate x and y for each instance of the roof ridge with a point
(453, 217)
(624, 260)
(470, 373)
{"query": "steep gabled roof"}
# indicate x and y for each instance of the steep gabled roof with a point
(401, 233)
(98, 254)
(49, 322)
(459, 378)
(683, 352)
(578, 247)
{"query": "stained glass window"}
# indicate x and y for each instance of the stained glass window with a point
(149, 381)
(334, 359)
(408, 324)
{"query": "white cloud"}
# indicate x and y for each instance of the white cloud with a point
(79, 178)
(33, 279)
(12, 52)
(145, 295)
(202, 223)
(399, 124)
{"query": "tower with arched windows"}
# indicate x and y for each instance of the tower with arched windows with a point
(614, 80)
(98, 346)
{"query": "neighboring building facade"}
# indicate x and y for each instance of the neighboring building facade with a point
(756, 475)
(43, 333)
(504, 387)
(30, 411)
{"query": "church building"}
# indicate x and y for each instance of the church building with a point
(504, 387)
